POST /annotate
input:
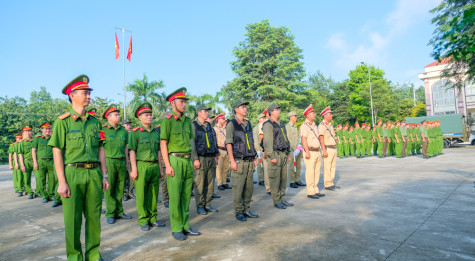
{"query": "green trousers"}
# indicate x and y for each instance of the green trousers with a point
(339, 148)
(179, 190)
(17, 182)
(53, 183)
(117, 171)
(146, 191)
(352, 149)
(398, 148)
(27, 176)
(204, 182)
(294, 176)
(243, 186)
(380, 147)
(359, 149)
(418, 147)
(369, 147)
(278, 177)
(45, 170)
(86, 199)
(346, 149)
(409, 147)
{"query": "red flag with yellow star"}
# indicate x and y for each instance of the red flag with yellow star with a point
(129, 52)
(117, 55)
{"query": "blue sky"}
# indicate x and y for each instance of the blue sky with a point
(189, 43)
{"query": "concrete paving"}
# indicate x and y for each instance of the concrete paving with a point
(387, 209)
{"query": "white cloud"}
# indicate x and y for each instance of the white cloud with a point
(397, 23)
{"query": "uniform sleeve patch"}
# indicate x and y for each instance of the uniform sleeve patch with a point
(136, 128)
(104, 125)
(38, 135)
(102, 135)
(64, 116)
(169, 116)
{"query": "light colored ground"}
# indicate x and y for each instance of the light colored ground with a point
(394, 209)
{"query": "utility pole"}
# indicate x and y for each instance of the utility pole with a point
(370, 91)
(123, 63)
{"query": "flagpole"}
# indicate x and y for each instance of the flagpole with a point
(123, 65)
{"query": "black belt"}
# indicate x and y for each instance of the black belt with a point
(183, 156)
(155, 161)
(208, 155)
(222, 148)
(249, 158)
(46, 159)
(313, 149)
(85, 165)
(330, 146)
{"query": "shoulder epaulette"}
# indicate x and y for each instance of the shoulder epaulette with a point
(136, 128)
(64, 116)
(104, 125)
(169, 116)
(38, 135)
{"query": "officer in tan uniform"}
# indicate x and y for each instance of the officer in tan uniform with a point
(223, 159)
(312, 155)
(260, 156)
(293, 167)
(328, 145)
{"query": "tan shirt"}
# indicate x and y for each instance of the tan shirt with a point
(325, 128)
(312, 136)
(293, 135)
(220, 136)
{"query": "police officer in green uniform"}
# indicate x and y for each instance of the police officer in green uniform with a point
(176, 135)
(115, 148)
(277, 149)
(163, 178)
(359, 141)
(242, 156)
(398, 140)
(129, 182)
(204, 150)
(11, 165)
(380, 138)
(78, 154)
(17, 173)
(26, 159)
(44, 165)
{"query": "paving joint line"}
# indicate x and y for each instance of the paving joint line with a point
(442, 203)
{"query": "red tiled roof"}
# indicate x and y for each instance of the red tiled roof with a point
(444, 61)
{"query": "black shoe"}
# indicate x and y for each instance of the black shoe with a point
(288, 204)
(145, 227)
(166, 204)
(301, 184)
(191, 232)
(215, 196)
(255, 182)
(330, 188)
(192, 194)
(157, 224)
(280, 206)
(261, 183)
(125, 216)
(55, 204)
(226, 186)
(228, 180)
(20, 194)
(103, 211)
(125, 198)
(37, 195)
(30, 196)
(313, 196)
(201, 211)
(16, 191)
(132, 196)
(336, 187)
(45, 200)
(320, 195)
(179, 236)
(211, 209)
(249, 214)
(268, 193)
(241, 217)
(293, 185)
(221, 187)
(110, 220)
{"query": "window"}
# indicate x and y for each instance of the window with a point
(444, 98)
(470, 89)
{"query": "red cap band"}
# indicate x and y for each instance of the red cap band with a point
(220, 116)
(307, 111)
(45, 125)
(76, 86)
(176, 96)
(143, 109)
(109, 110)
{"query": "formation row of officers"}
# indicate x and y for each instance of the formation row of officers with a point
(388, 139)
(83, 158)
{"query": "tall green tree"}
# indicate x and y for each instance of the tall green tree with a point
(147, 91)
(268, 69)
(454, 38)
(382, 97)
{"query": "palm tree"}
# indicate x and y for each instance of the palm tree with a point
(145, 91)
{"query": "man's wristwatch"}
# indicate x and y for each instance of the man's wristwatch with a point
(105, 176)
